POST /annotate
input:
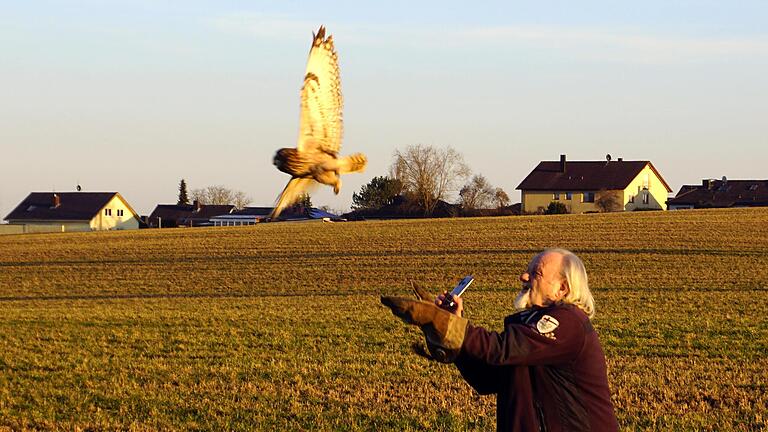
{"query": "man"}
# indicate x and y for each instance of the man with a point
(547, 367)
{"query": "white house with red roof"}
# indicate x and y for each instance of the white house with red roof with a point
(590, 186)
(74, 211)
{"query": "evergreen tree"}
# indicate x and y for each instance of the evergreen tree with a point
(183, 198)
(376, 194)
(302, 205)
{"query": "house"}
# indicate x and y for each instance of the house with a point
(245, 216)
(254, 215)
(74, 211)
(189, 215)
(721, 193)
(590, 186)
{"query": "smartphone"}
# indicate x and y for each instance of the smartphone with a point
(449, 303)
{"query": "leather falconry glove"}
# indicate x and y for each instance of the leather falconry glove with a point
(443, 330)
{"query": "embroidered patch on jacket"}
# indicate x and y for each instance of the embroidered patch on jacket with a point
(547, 324)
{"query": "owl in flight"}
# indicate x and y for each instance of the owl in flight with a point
(316, 157)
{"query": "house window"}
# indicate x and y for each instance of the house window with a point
(119, 212)
(556, 196)
(588, 197)
(568, 195)
(753, 187)
(107, 212)
(645, 197)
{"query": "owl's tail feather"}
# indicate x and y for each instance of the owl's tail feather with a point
(352, 163)
(292, 192)
(292, 161)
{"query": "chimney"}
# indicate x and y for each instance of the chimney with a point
(620, 159)
(562, 163)
(197, 206)
(706, 183)
(56, 202)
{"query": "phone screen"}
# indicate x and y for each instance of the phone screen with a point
(462, 286)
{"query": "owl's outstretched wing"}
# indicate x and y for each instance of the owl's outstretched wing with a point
(321, 125)
(293, 190)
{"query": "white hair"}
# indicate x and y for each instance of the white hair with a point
(575, 276)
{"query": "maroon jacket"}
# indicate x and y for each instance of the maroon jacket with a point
(547, 369)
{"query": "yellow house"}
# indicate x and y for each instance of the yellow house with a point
(591, 186)
(74, 211)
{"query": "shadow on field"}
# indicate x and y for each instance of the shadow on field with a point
(282, 255)
(184, 295)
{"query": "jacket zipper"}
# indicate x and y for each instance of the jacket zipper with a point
(542, 424)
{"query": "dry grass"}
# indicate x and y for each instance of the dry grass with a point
(278, 326)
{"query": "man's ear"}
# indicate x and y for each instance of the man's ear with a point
(565, 288)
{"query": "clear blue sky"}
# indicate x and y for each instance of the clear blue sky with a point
(132, 96)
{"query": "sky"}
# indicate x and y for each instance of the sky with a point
(132, 96)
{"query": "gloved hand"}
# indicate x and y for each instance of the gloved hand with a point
(443, 330)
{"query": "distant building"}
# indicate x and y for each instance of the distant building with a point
(74, 211)
(590, 186)
(721, 194)
(245, 216)
(402, 208)
(189, 215)
(254, 215)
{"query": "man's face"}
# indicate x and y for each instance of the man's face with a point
(542, 283)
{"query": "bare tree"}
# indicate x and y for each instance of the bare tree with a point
(199, 196)
(500, 197)
(429, 174)
(608, 201)
(476, 194)
(220, 195)
(241, 199)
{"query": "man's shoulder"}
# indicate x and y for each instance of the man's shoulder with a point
(555, 313)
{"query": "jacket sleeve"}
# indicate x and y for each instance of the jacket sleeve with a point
(522, 344)
(483, 379)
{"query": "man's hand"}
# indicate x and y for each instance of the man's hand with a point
(458, 307)
(443, 330)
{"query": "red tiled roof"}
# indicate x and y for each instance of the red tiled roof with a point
(72, 206)
(716, 193)
(585, 175)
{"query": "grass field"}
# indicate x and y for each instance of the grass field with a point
(279, 326)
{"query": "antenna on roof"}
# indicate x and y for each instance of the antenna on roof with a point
(608, 157)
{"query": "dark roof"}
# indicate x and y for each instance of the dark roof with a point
(316, 213)
(718, 193)
(209, 211)
(185, 212)
(253, 211)
(402, 208)
(171, 211)
(585, 175)
(72, 206)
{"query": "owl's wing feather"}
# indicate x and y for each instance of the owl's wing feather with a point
(293, 190)
(321, 125)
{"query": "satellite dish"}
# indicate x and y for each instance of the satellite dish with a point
(79, 188)
(608, 157)
(724, 179)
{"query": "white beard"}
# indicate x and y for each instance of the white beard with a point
(523, 300)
